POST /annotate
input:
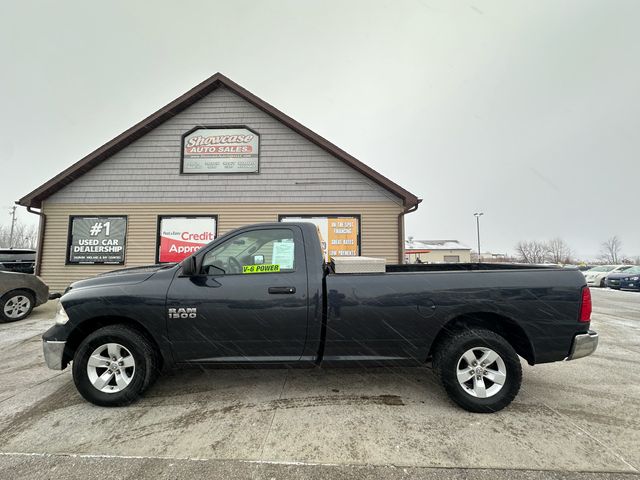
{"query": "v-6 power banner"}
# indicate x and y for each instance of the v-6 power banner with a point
(182, 236)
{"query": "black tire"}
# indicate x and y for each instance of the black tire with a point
(602, 283)
(10, 297)
(446, 361)
(142, 351)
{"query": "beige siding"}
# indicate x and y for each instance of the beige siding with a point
(379, 229)
(292, 169)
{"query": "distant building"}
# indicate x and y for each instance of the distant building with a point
(436, 251)
(492, 257)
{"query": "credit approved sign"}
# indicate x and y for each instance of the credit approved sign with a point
(179, 237)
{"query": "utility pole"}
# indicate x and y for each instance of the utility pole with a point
(478, 215)
(13, 222)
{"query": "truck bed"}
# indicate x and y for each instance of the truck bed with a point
(397, 315)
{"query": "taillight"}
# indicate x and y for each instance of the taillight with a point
(585, 306)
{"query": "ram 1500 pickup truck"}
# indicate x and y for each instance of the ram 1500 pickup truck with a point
(264, 295)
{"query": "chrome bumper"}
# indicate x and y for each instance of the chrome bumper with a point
(53, 353)
(583, 345)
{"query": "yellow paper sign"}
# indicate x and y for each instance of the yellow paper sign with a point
(260, 268)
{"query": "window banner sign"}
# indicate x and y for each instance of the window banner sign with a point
(220, 150)
(97, 240)
(179, 237)
(339, 235)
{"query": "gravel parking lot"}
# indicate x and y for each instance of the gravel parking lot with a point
(580, 418)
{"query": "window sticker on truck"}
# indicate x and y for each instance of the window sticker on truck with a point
(260, 268)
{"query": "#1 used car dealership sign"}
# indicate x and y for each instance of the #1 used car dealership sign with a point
(220, 150)
(96, 240)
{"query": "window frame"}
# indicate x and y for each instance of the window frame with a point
(67, 257)
(273, 227)
(357, 216)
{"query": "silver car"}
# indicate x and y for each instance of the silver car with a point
(19, 294)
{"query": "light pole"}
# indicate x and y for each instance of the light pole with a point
(13, 223)
(478, 215)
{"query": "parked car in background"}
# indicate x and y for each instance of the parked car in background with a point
(17, 260)
(613, 279)
(19, 294)
(630, 282)
(596, 277)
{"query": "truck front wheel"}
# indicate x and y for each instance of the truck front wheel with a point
(113, 366)
(479, 370)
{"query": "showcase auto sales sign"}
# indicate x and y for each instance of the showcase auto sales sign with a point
(182, 236)
(220, 150)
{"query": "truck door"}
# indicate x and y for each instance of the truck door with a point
(247, 303)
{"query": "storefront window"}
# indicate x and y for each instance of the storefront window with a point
(96, 240)
(339, 234)
(179, 237)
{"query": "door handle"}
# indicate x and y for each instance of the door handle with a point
(282, 290)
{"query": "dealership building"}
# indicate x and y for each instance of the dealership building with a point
(214, 159)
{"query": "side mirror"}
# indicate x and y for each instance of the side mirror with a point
(189, 266)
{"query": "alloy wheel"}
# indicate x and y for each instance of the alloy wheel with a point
(481, 372)
(111, 368)
(17, 306)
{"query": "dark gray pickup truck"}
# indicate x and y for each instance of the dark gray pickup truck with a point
(262, 294)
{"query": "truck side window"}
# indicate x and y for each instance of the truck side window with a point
(258, 251)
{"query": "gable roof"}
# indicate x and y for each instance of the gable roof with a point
(35, 198)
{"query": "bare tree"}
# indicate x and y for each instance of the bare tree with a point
(24, 236)
(559, 251)
(611, 250)
(532, 252)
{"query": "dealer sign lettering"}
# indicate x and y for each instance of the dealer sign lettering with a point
(220, 150)
(97, 240)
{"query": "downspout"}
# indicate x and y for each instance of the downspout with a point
(41, 226)
(401, 229)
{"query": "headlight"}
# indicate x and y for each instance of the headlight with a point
(635, 278)
(61, 315)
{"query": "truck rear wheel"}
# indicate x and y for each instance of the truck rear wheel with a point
(113, 366)
(479, 370)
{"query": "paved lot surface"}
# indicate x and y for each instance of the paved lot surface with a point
(571, 420)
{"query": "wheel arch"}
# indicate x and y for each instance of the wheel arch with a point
(20, 289)
(497, 323)
(87, 327)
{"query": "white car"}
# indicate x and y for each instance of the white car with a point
(596, 276)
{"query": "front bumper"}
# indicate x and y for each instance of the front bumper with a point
(583, 345)
(53, 353)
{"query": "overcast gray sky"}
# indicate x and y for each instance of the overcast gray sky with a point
(527, 111)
